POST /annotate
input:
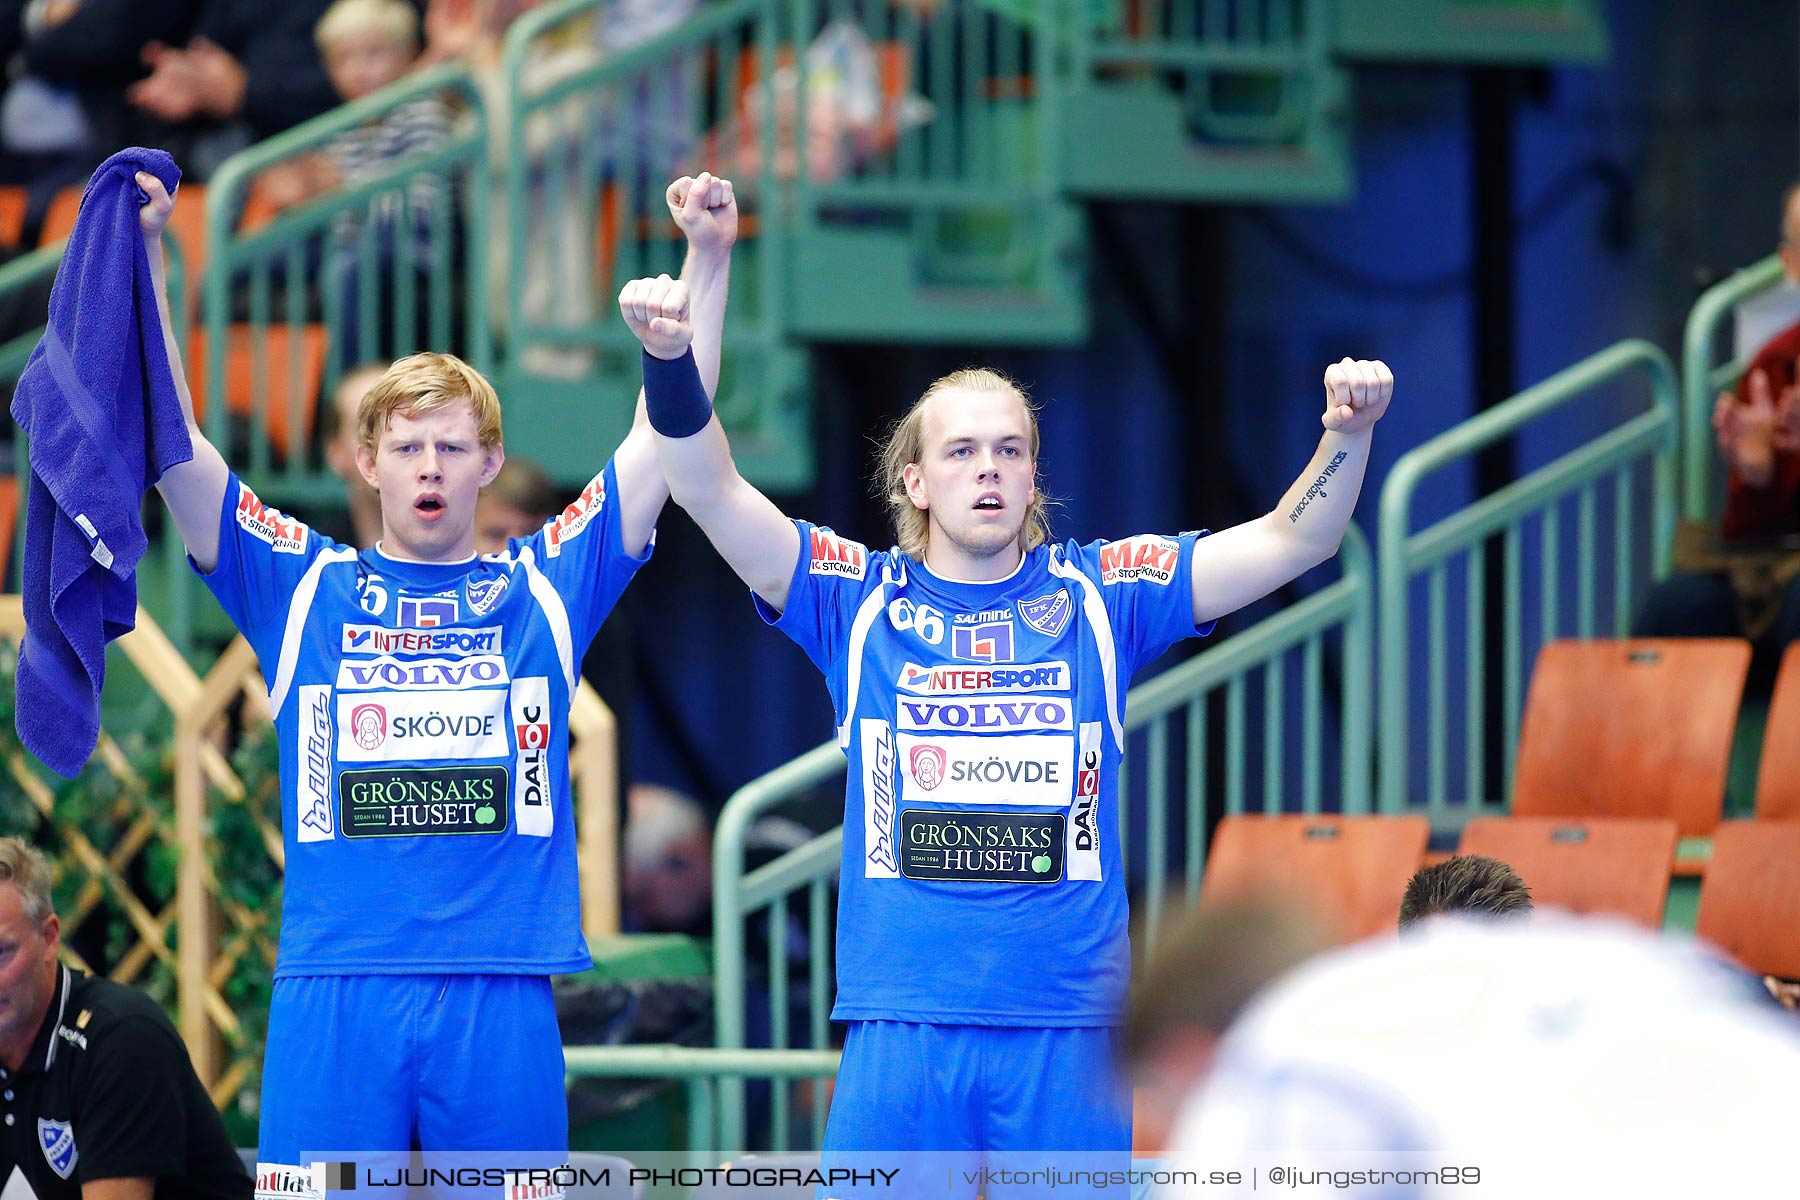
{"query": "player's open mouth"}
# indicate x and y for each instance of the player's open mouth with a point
(989, 502)
(429, 507)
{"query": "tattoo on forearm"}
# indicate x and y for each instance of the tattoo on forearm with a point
(1318, 485)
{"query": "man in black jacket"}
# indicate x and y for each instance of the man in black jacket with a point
(98, 1100)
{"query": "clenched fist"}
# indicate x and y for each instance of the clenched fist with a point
(657, 312)
(706, 210)
(1357, 392)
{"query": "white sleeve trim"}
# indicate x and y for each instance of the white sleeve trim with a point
(1095, 609)
(866, 616)
(298, 610)
(545, 593)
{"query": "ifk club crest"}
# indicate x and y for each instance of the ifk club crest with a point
(57, 1140)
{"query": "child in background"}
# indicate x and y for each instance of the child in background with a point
(367, 45)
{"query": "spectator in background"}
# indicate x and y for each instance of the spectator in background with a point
(338, 425)
(668, 862)
(69, 63)
(1762, 318)
(472, 30)
(249, 70)
(853, 116)
(515, 505)
(1467, 884)
(650, 129)
(367, 45)
(1743, 580)
(1206, 966)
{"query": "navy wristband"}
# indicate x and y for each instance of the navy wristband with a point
(673, 397)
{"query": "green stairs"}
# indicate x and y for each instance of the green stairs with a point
(1013, 275)
(1176, 149)
(966, 223)
(1517, 32)
(956, 214)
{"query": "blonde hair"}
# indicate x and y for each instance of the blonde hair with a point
(396, 18)
(26, 868)
(905, 445)
(424, 383)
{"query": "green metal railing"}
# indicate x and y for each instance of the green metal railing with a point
(34, 272)
(1704, 375)
(968, 114)
(811, 869)
(949, 194)
(592, 146)
(1247, 67)
(1622, 455)
(704, 1072)
(1169, 721)
(410, 239)
(1230, 99)
(1521, 32)
(29, 273)
(950, 143)
(1284, 655)
(593, 143)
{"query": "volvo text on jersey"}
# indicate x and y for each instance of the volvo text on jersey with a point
(422, 711)
(982, 881)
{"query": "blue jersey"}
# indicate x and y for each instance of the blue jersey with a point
(982, 881)
(422, 711)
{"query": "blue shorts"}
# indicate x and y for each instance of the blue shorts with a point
(385, 1063)
(948, 1105)
(905, 1086)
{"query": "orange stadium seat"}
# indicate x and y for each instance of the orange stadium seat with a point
(1349, 871)
(9, 522)
(1631, 728)
(187, 226)
(1750, 902)
(12, 215)
(606, 234)
(1778, 779)
(60, 217)
(1617, 865)
(258, 211)
(241, 377)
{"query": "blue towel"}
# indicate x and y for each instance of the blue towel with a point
(98, 402)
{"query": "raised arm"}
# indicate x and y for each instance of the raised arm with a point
(193, 490)
(707, 212)
(761, 545)
(1248, 561)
